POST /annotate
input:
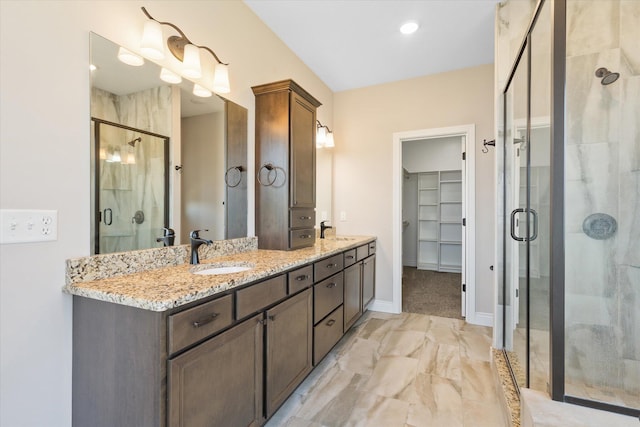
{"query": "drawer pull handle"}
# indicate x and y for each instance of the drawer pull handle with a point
(331, 322)
(305, 236)
(304, 217)
(331, 285)
(205, 320)
(349, 256)
(332, 265)
(302, 277)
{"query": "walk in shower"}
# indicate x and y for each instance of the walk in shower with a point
(131, 187)
(569, 156)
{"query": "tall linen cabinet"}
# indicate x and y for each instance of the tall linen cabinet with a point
(285, 165)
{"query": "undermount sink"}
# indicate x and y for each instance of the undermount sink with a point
(216, 269)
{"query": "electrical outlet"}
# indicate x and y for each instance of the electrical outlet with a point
(28, 225)
(323, 216)
(343, 216)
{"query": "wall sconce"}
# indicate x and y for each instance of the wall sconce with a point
(184, 50)
(324, 136)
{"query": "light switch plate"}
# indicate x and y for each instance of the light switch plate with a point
(28, 225)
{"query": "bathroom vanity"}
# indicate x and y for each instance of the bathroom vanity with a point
(169, 347)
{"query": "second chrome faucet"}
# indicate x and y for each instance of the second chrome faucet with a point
(196, 242)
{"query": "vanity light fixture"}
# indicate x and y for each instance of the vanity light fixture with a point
(129, 57)
(185, 51)
(324, 136)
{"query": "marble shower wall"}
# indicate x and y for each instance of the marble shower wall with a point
(602, 175)
(127, 188)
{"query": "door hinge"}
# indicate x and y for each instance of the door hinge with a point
(464, 155)
(464, 222)
(464, 287)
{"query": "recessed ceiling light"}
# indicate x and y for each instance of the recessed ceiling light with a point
(409, 27)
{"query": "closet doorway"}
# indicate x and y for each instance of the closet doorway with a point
(434, 274)
(432, 237)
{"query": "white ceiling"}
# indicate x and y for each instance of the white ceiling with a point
(357, 43)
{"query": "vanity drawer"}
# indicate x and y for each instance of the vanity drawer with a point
(349, 257)
(372, 248)
(362, 252)
(327, 295)
(256, 297)
(194, 324)
(302, 238)
(302, 218)
(300, 279)
(327, 267)
(326, 334)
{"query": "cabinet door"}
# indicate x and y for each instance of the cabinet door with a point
(289, 348)
(368, 280)
(303, 153)
(352, 295)
(219, 382)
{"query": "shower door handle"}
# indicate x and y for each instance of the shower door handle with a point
(531, 238)
(110, 212)
(534, 236)
(513, 224)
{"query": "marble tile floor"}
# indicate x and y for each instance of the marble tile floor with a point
(405, 370)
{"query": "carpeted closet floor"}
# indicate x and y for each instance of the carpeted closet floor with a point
(431, 292)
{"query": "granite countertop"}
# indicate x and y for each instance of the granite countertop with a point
(161, 289)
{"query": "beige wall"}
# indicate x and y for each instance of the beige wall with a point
(44, 162)
(365, 120)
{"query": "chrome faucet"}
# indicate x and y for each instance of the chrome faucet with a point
(323, 228)
(196, 241)
(168, 237)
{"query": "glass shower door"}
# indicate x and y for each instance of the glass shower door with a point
(131, 179)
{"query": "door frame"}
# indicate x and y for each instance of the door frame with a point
(469, 132)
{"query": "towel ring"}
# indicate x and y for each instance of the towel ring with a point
(239, 170)
(270, 168)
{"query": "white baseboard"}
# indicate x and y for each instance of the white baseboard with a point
(383, 306)
(482, 319)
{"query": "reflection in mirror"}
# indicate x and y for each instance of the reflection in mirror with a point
(130, 102)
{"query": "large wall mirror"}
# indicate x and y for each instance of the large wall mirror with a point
(162, 157)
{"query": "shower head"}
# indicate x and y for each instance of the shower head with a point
(607, 76)
(133, 142)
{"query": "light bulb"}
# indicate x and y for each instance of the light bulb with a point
(129, 57)
(221, 79)
(321, 137)
(201, 91)
(151, 44)
(169, 76)
(409, 27)
(191, 62)
(329, 142)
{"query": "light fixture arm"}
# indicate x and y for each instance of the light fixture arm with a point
(320, 125)
(176, 44)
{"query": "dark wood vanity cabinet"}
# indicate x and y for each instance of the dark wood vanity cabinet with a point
(285, 165)
(368, 280)
(352, 295)
(219, 382)
(228, 360)
(289, 348)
